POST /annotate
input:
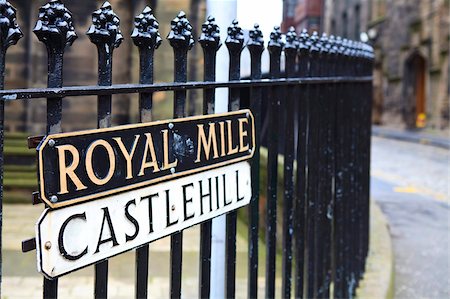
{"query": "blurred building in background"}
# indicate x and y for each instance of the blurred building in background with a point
(27, 64)
(411, 39)
(303, 14)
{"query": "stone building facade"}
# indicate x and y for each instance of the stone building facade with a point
(411, 41)
(26, 65)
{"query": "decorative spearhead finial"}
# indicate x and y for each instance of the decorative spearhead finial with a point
(180, 35)
(332, 43)
(10, 32)
(304, 42)
(346, 45)
(54, 26)
(314, 48)
(105, 27)
(235, 38)
(324, 44)
(210, 37)
(145, 33)
(256, 37)
(276, 39)
(292, 42)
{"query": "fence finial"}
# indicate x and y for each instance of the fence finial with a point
(145, 33)
(314, 48)
(235, 38)
(105, 27)
(210, 37)
(291, 39)
(256, 42)
(54, 26)
(276, 39)
(324, 44)
(180, 34)
(256, 37)
(332, 43)
(303, 42)
(10, 32)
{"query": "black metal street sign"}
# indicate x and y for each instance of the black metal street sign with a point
(80, 166)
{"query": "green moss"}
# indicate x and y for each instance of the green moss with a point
(27, 183)
(20, 168)
(18, 151)
(16, 197)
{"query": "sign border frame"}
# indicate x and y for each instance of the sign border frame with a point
(145, 183)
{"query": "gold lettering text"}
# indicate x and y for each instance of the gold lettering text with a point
(127, 155)
(68, 170)
(153, 162)
(242, 133)
(231, 150)
(112, 162)
(207, 143)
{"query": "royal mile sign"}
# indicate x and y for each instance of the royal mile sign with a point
(81, 166)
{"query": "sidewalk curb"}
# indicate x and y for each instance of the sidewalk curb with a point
(378, 280)
(410, 136)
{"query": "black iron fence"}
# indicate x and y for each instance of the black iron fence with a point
(322, 102)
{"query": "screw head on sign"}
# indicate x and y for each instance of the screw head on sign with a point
(51, 142)
(48, 245)
(171, 126)
(172, 170)
(54, 198)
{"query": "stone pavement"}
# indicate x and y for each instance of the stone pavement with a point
(21, 280)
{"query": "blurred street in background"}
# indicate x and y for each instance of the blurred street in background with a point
(410, 183)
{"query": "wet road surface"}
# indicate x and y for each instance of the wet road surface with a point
(410, 182)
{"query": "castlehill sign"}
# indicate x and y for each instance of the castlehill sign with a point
(80, 166)
(76, 236)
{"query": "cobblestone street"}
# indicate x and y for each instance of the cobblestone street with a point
(410, 182)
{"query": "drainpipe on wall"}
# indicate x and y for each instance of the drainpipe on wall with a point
(225, 11)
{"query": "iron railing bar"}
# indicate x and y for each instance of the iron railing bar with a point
(95, 90)
(234, 43)
(146, 43)
(275, 98)
(256, 47)
(210, 42)
(181, 44)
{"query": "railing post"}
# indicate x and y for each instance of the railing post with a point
(275, 47)
(313, 171)
(210, 42)
(256, 46)
(10, 34)
(234, 42)
(332, 129)
(339, 210)
(55, 29)
(326, 172)
(302, 166)
(147, 38)
(290, 51)
(105, 34)
(181, 39)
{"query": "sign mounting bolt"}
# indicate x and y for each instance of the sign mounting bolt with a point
(172, 170)
(171, 126)
(51, 142)
(54, 198)
(48, 245)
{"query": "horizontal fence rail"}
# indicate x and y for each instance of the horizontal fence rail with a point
(310, 167)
